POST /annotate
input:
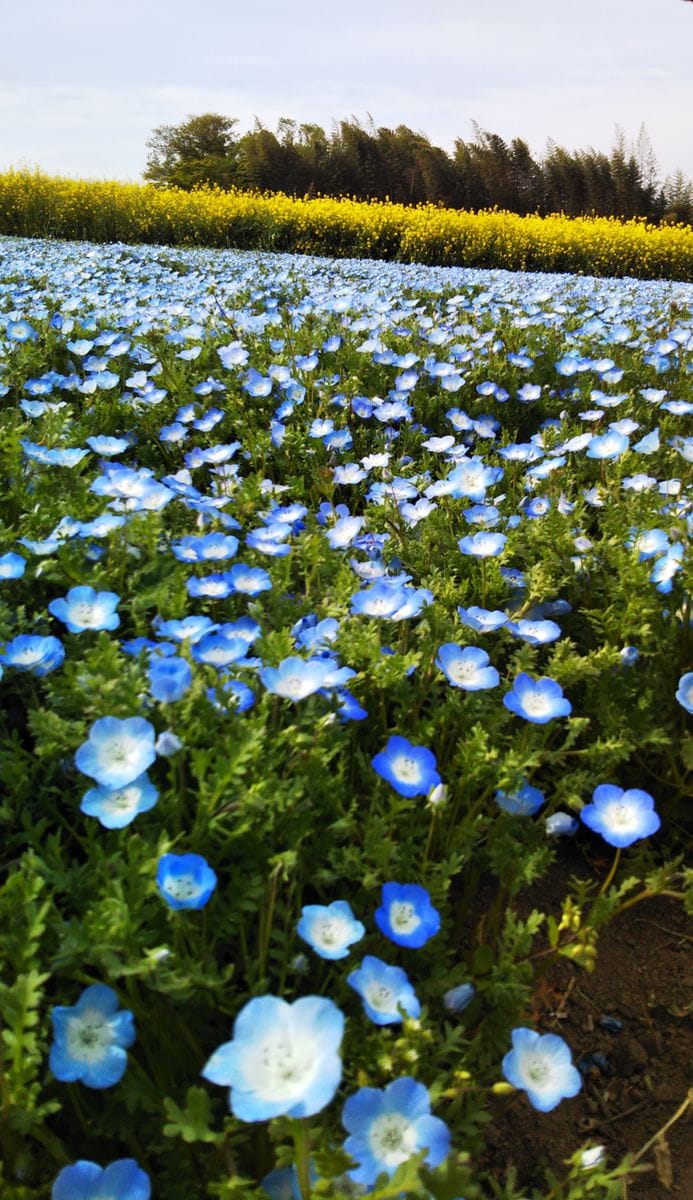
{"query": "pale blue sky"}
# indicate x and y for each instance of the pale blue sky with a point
(83, 82)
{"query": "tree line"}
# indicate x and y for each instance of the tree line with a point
(369, 163)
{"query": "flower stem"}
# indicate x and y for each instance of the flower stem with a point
(302, 1143)
(612, 872)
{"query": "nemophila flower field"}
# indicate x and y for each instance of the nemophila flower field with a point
(338, 601)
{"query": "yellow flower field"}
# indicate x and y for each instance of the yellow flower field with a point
(37, 205)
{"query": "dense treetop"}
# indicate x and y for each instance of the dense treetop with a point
(402, 165)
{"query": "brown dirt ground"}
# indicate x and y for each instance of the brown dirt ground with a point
(643, 977)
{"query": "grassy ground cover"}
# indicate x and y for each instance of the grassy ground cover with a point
(345, 648)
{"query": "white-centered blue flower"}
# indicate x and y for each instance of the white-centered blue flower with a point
(283, 1059)
(410, 770)
(621, 817)
(537, 700)
(185, 880)
(611, 444)
(330, 929)
(537, 633)
(388, 1126)
(406, 915)
(542, 1067)
(117, 751)
(91, 1039)
(295, 678)
(483, 545)
(33, 653)
(384, 991)
(12, 566)
(482, 620)
(467, 667)
(84, 608)
(117, 807)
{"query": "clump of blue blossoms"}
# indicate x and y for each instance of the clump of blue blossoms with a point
(91, 1039)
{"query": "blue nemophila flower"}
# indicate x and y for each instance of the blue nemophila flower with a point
(482, 620)
(382, 599)
(611, 444)
(117, 751)
(12, 566)
(537, 700)
(388, 1126)
(330, 929)
(84, 608)
(466, 668)
(458, 998)
(84, 1180)
(168, 743)
(185, 880)
(219, 650)
(191, 628)
(666, 568)
(537, 507)
(384, 991)
(483, 545)
(411, 770)
(295, 678)
(472, 477)
(523, 802)
(169, 678)
(406, 915)
(20, 331)
(283, 1060)
(117, 807)
(343, 532)
(537, 633)
(542, 1067)
(684, 692)
(283, 1183)
(215, 587)
(30, 652)
(249, 581)
(232, 695)
(621, 817)
(101, 444)
(211, 547)
(91, 1039)
(561, 824)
